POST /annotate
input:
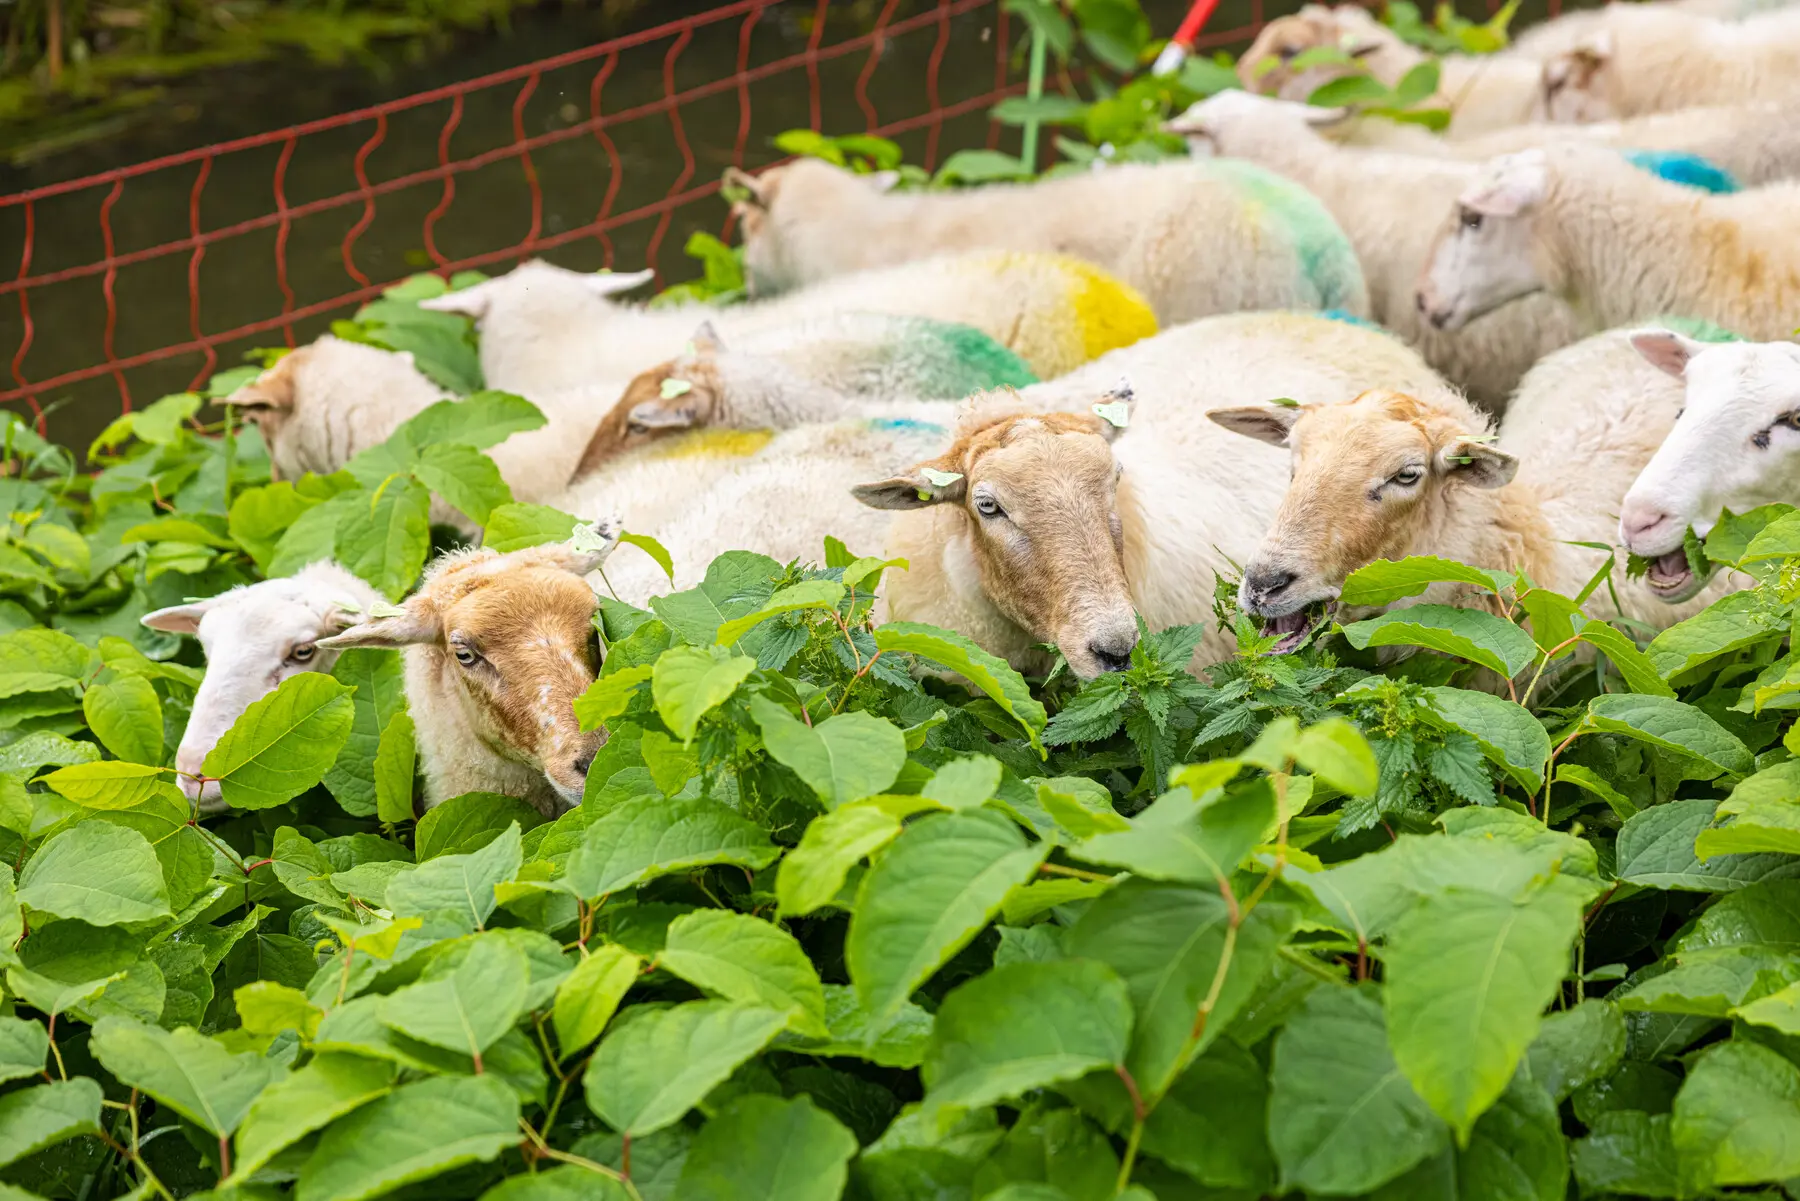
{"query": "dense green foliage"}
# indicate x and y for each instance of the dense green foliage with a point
(831, 922)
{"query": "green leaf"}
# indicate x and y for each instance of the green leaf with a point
(1417, 84)
(415, 1132)
(1672, 726)
(384, 537)
(328, 1087)
(485, 419)
(649, 837)
(185, 1070)
(1639, 672)
(1166, 941)
(466, 479)
(68, 962)
(469, 822)
(742, 958)
(1026, 1026)
(515, 527)
(814, 872)
(1386, 580)
(283, 743)
(266, 1007)
(932, 892)
(34, 1118)
(736, 583)
(376, 676)
(650, 1071)
(688, 682)
(1588, 780)
(1194, 841)
(1629, 1153)
(1351, 90)
(260, 516)
(1722, 628)
(843, 758)
(1576, 1046)
(967, 783)
(609, 696)
(1762, 814)
(808, 594)
(1342, 1118)
(1656, 849)
(395, 764)
(762, 1148)
(465, 1006)
(1211, 1125)
(986, 672)
(97, 872)
(41, 661)
(1480, 637)
(1737, 1118)
(23, 1046)
(653, 548)
(126, 717)
(112, 785)
(566, 1183)
(463, 883)
(1336, 752)
(589, 996)
(1468, 973)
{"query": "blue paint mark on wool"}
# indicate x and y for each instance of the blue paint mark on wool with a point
(905, 425)
(1678, 166)
(1351, 319)
(1326, 256)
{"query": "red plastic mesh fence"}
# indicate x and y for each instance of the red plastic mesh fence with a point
(626, 138)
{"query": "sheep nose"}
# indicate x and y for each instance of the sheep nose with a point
(1419, 299)
(1265, 586)
(1110, 658)
(1637, 523)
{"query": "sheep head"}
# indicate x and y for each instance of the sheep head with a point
(1576, 87)
(680, 394)
(1225, 123)
(1267, 66)
(1369, 481)
(1032, 500)
(508, 642)
(256, 636)
(1735, 446)
(804, 190)
(534, 280)
(1487, 251)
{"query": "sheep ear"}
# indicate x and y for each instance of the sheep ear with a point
(706, 339)
(608, 283)
(1265, 423)
(756, 193)
(273, 389)
(471, 302)
(652, 415)
(884, 181)
(1477, 463)
(1666, 350)
(1320, 118)
(930, 483)
(417, 622)
(1520, 184)
(177, 619)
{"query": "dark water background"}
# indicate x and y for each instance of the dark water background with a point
(237, 277)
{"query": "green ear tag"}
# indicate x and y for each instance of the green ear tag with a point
(1286, 402)
(940, 479)
(588, 538)
(383, 609)
(671, 388)
(1117, 413)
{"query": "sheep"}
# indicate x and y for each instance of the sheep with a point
(1618, 246)
(320, 405)
(1755, 143)
(546, 330)
(861, 365)
(1034, 528)
(1194, 238)
(1391, 474)
(497, 647)
(1649, 60)
(1387, 203)
(1483, 92)
(255, 636)
(1736, 446)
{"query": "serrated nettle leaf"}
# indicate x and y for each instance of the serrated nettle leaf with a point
(1672, 726)
(98, 873)
(38, 1117)
(589, 996)
(806, 595)
(283, 743)
(742, 958)
(192, 1074)
(844, 758)
(930, 893)
(1004, 686)
(650, 1071)
(1480, 637)
(688, 682)
(814, 872)
(1385, 581)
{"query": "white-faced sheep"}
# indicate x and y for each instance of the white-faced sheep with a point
(497, 647)
(1389, 474)
(1618, 245)
(547, 330)
(1736, 446)
(1033, 528)
(1194, 238)
(1388, 204)
(255, 636)
(861, 365)
(1649, 59)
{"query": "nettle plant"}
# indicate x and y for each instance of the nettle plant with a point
(854, 910)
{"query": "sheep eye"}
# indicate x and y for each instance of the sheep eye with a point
(636, 427)
(1406, 477)
(987, 506)
(466, 657)
(1287, 53)
(1471, 220)
(1790, 420)
(301, 653)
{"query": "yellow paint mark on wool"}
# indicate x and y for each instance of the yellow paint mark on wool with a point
(714, 444)
(1108, 313)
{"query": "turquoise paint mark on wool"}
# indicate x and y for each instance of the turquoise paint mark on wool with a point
(1697, 328)
(1326, 257)
(1679, 166)
(946, 360)
(1349, 318)
(905, 425)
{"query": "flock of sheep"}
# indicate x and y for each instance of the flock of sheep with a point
(1481, 358)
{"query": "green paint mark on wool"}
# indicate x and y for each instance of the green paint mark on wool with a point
(1326, 256)
(953, 360)
(1697, 328)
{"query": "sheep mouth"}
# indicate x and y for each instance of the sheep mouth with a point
(1293, 628)
(1671, 577)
